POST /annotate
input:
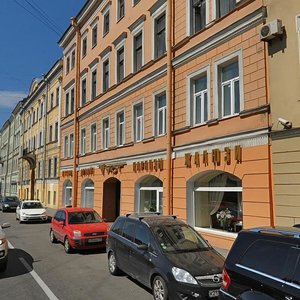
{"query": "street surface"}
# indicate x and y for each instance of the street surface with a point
(39, 270)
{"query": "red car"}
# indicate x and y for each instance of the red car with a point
(78, 228)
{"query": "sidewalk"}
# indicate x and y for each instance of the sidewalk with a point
(50, 212)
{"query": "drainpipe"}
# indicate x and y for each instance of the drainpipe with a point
(7, 159)
(76, 124)
(45, 139)
(170, 101)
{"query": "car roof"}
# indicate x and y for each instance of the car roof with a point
(293, 232)
(76, 209)
(25, 201)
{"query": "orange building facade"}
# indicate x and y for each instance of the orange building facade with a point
(165, 109)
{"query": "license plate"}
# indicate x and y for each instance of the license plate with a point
(96, 240)
(213, 293)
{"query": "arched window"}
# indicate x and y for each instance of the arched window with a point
(67, 193)
(149, 192)
(216, 201)
(87, 189)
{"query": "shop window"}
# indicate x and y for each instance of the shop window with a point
(150, 195)
(218, 202)
(67, 193)
(87, 193)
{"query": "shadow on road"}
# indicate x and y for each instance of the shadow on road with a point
(15, 267)
(140, 285)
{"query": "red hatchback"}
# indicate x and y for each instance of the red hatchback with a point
(78, 228)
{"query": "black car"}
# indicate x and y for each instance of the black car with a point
(9, 203)
(263, 264)
(166, 255)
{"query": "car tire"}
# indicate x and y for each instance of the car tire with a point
(112, 264)
(67, 246)
(159, 289)
(53, 239)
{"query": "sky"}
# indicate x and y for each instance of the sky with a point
(29, 30)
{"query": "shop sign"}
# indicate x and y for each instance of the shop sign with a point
(67, 173)
(87, 172)
(148, 165)
(216, 155)
(111, 169)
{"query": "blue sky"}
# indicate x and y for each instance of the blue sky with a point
(29, 48)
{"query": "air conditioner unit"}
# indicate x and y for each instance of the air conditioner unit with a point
(271, 30)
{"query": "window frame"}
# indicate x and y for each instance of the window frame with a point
(189, 20)
(94, 37)
(106, 26)
(82, 141)
(118, 128)
(162, 10)
(105, 138)
(93, 143)
(134, 123)
(105, 75)
(138, 30)
(119, 16)
(118, 48)
(66, 146)
(83, 78)
(94, 69)
(84, 43)
(155, 122)
(71, 145)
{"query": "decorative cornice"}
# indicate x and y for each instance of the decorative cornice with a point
(285, 134)
(255, 111)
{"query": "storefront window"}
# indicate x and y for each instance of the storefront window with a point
(218, 202)
(87, 194)
(67, 193)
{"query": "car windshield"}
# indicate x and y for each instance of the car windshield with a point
(10, 199)
(31, 205)
(83, 217)
(178, 238)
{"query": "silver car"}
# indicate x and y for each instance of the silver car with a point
(3, 247)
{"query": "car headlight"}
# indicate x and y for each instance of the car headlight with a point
(23, 214)
(183, 276)
(6, 205)
(77, 233)
(2, 241)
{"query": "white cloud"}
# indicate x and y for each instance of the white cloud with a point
(9, 99)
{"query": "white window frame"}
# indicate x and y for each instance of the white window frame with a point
(71, 145)
(157, 14)
(117, 48)
(190, 110)
(66, 146)
(105, 138)
(117, 11)
(84, 77)
(134, 123)
(136, 31)
(155, 124)
(150, 188)
(82, 141)
(93, 25)
(105, 59)
(93, 149)
(95, 67)
(68, 91)
(84, 36)
(218, 64)
(117, 128)
(104, 13)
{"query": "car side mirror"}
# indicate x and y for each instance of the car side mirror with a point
(143, 247)
(5, 225)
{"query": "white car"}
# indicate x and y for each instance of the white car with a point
(3, 247)
(31, 210)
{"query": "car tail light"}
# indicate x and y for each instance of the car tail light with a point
(226, 279)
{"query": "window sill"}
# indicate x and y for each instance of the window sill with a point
(119, 19)
(216, 232)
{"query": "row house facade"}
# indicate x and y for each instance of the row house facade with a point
(10, 153)
(40, 140)
(165, 108)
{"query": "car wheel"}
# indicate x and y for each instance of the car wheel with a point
(67, 246)
(112, 264)
(159, 289)
(53, 239)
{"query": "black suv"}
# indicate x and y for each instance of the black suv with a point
(263, 263)
(165, 254)
(9, 203)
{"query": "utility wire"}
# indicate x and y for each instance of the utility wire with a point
(38, 18)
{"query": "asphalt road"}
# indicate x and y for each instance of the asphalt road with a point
(39, 270)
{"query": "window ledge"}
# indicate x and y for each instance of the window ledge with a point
(217, 232)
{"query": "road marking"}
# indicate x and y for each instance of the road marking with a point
(36, 277)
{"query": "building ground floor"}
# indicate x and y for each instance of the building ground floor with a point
(218, 186)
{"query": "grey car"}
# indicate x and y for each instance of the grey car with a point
(3, 247)
(9, 203)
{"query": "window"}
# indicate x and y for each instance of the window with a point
(50, 133)
(55, 167)
(83, 141)
(121, 9)
(71, 145)
(84, 46)
(67, 104)
(39, 170)
(138, 122)
(142, 235)
(118, 226)
(57, 96)
(106, 23)
(160, 114)
(105, 133)
(160, 35)
(105, 75)
(66, 147)
(68, 65)
(93, 138)
(199, 100)
(94, 36)
(135, 2)
(49, 195)
(94, 84)
(128, 230)
(229, 102)
(72, 59)
(138, 51)
(72, 103)
(120, 64)
(41, 139)
(49, 167)
(51, 101)
(83, 92)
(224, 7)
(54, 197)
(87, 191)
(120, 128)
(56, 131)
(198, 15)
